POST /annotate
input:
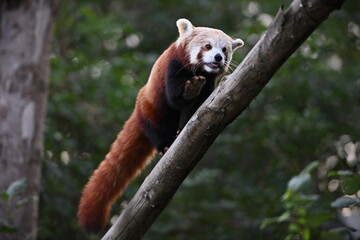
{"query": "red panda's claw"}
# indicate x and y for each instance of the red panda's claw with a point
(178, 132)
(202, 79)
(161, 153)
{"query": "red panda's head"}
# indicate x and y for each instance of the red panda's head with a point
(208, 48)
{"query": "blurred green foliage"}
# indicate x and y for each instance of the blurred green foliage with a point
(14, 190)
(102, 54)
(309, 212)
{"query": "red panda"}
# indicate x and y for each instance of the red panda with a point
(180, 81)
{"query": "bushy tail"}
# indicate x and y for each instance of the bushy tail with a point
(128, 155)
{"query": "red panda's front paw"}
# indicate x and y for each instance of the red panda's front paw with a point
(193, 87)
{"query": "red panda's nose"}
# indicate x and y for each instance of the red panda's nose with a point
(218, 57)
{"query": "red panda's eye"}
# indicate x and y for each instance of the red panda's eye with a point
(224, 49)
(208, 46)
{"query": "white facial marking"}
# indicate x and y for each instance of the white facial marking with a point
(194, 54)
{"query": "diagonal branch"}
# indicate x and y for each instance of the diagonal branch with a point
(234, 94)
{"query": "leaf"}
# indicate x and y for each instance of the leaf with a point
(299, 182)
(311, 166)
(287, 195)
(4, 196)
(284, 217)
(351, 185)
(268, 221)
(309, 197)
(295, 228)
(21, 202)
(306, 234)
(343, 229)
(316, 219)
(333, 235)
(5, 227)
(16, 187)
(340, 173)
(344, 201)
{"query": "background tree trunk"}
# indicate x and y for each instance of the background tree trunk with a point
(25, 30)
(287, 32)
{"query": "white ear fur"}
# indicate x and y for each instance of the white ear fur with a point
(237, 43)
(185, 27)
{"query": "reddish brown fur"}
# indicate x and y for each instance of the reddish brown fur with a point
(130, 152)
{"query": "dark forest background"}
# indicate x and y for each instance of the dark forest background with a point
(309, 113)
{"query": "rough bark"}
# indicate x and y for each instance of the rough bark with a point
(25, 29)
(287, 32)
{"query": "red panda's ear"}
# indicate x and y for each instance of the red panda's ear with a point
(185, 27)
(237, 43)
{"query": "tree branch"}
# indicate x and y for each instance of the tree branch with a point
(234, 94)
